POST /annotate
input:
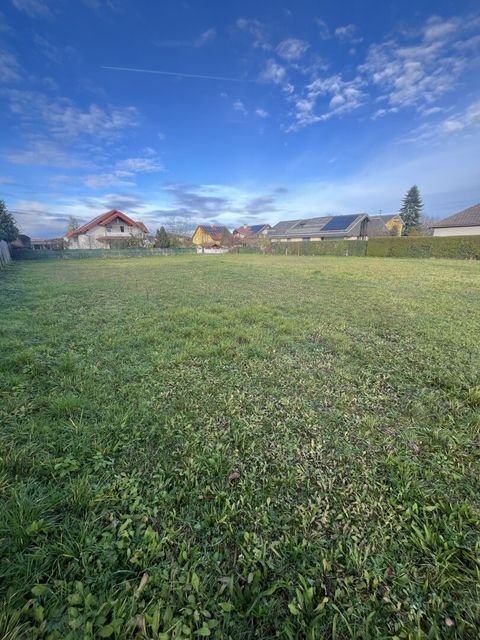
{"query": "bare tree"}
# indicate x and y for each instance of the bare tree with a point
(73, 223)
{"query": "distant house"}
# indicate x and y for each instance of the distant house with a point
(210, 235)
(348, 227)
(113, 228)
(385, 225)
(250, 234)
(21, 242)
(54, 244)
(463, 223)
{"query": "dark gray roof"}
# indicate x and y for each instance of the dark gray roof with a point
(467, 218)
(386, 217)
(376, 226)
(256, 228)
(281, 227)
(313, 227)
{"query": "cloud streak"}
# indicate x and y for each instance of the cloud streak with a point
(33, 8)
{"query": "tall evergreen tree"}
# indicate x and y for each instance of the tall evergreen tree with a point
(411, 210)
(8, 226)
(162, 241)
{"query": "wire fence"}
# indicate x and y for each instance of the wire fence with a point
(80, 254)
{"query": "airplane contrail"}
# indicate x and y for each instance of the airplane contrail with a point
(174, 73)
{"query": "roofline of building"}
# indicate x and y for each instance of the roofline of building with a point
(103, 220)
(453, 226)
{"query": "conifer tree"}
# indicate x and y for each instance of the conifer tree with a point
(411, 210)
(162, 241)
(8, 226)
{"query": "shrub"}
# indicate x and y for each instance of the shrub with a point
(459, 247)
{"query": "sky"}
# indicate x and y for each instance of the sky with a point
(205, 111)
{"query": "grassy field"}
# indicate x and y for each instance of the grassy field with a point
(240, 447)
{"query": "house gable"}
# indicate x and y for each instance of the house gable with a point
(106, 219)
(209, 234)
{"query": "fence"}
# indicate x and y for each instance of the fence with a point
(79, 254)
(4, 254)
(458, 247)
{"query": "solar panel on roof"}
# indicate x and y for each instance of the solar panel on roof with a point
(339, 223)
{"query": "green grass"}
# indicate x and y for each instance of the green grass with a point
(240, 447)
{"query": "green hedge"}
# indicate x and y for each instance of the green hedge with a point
(457, 247)
(251, 249)
(321, 248)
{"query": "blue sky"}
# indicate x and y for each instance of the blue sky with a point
(275, 110)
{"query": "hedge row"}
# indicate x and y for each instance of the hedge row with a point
(458, 247)
(321, 248)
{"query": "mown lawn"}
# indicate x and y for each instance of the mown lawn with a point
(240, 447)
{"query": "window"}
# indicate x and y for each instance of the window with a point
(305, 239)
(109, 227)
(122, 228)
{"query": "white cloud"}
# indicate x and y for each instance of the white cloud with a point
(412, 70)
(107, 180)
(149, 164)
(347, 33)
(10, 70)
(43, 151)
(125, 170)
(257, 32)
(418, 73)
(64, 120)
(273, 73)
(49, 50)
(436, 28)
(205, 38)
(33, 8)
(240, 107)
(337, 101)
(55, 132)
(261, 113)
(97, 5)
(429, 111)
(323, 29)
(292, 49)
(342, 97)
(464, 121)
(379, 113)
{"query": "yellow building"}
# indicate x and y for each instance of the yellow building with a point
(208, 235)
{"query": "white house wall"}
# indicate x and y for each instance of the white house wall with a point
(457, 231)
(89, 239)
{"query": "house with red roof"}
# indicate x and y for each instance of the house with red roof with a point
(109, 230)
(251, 234)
